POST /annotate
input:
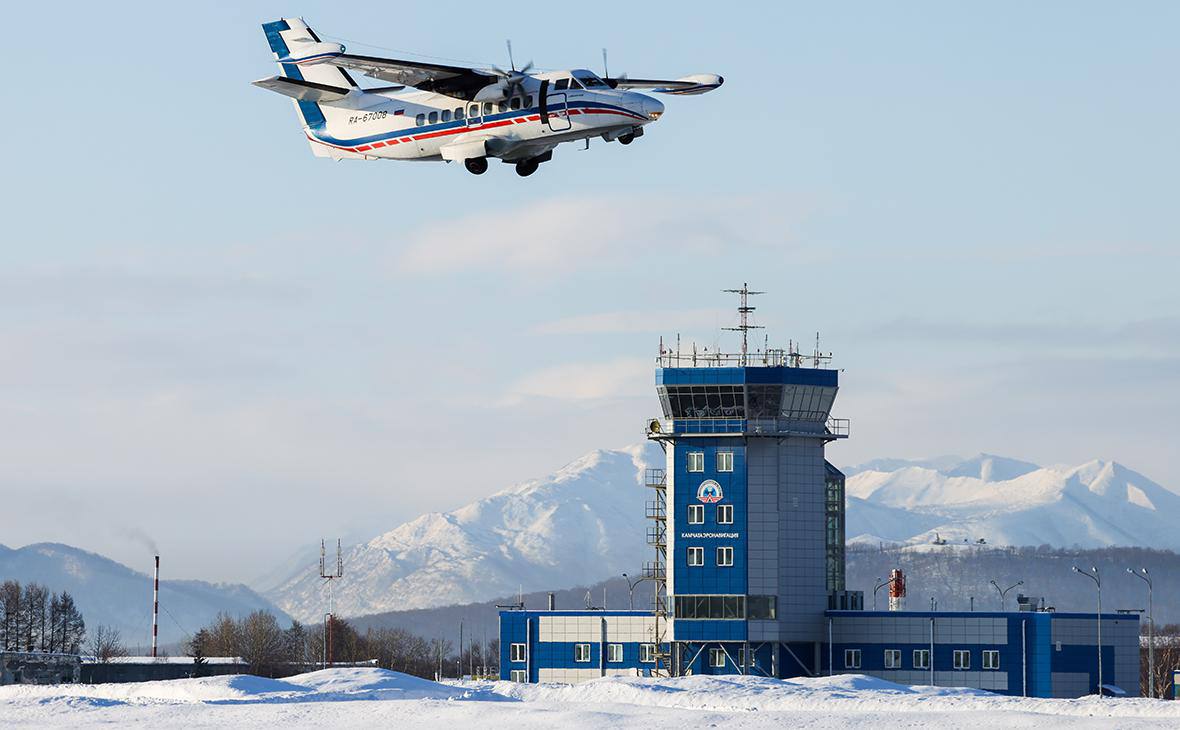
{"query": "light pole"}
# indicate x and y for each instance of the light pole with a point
(1142, 575)
(631, 589)
(1092, 574)
(1004, 591)
(878, 587)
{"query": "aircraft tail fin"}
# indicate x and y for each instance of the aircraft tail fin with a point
(300, 54)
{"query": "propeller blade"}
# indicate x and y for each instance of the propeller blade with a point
(605, 69)
(510, 61)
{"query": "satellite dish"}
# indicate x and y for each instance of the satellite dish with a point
(653, 426)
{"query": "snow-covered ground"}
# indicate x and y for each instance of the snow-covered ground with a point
(365, 697)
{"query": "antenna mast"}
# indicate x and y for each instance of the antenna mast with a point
(744, 310)
(330, 617)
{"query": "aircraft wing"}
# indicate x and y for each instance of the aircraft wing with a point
(685, 86)
(456, 81)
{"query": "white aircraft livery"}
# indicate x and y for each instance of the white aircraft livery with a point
(453, 113)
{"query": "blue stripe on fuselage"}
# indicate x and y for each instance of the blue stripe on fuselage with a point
(431, 128)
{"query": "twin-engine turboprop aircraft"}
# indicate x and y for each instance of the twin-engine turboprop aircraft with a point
(452, 113)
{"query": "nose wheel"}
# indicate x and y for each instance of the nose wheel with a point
(627, 139)
(476, 165)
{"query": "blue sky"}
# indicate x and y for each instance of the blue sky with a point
(221, 341)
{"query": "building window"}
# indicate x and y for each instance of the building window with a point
(614, 652)
(696, 556)
(696, 461)
(647, 653)
(744, 660)
(581, 652)
(709, 607)
(852, 658)
(717, 658)
(893, 658)
(962, 659)
(724, 461)
(517, 652)
(921, 658)
(725, 557)
(724, 514)
(991, 659)
(696, 514)
(762, 607)
(518, 675)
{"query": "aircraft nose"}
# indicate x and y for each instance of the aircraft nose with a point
(653, 108)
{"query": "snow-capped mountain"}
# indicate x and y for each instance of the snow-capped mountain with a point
(1010, 502)
(111, 594)
(579, 525)
(585, 523)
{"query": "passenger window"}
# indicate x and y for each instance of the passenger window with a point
(515, 102)
(433, 118)
(503, 106)
(420, 120)
(561, 85)
(459, 114)
(473, 111)
(446, 115)
(487, 108)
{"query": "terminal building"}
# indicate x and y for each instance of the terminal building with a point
(747, 536)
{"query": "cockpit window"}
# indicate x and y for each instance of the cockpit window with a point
(561, 85)
(574, 84)
(589, 80)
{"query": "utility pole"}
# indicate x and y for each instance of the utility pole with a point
(1142, 575)
(1092, 574)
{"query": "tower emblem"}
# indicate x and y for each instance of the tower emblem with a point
(709, 492)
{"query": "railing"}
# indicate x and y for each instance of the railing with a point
(657, 537)
(760, 358)
(656, 510)
(655, 571)
(656, 478)
(830, 428)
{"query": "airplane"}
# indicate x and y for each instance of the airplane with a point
(438, 112)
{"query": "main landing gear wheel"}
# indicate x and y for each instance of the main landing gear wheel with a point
(476, 165)
(526, 168)
(627, 139)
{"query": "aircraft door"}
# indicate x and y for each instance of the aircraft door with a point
(559, 115)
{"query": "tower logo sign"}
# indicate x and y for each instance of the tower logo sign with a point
(709, 492)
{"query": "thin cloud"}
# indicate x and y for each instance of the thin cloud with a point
(630, 377)
(562, 233)
(634, 322)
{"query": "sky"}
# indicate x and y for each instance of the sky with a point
(217, 343)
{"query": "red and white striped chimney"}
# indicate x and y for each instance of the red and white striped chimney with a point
(156, 608)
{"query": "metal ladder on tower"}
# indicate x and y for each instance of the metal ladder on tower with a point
(657, 570)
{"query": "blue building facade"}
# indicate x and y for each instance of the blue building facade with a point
(747, 537)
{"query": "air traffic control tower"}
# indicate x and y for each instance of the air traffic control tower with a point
(748, 515)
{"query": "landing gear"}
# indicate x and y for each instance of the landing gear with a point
(476, 165)
(526, 168)
(627, 139)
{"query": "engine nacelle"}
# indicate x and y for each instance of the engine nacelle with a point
(701, 83)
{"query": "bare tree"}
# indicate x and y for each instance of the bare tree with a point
(262, 642)
(106, 644)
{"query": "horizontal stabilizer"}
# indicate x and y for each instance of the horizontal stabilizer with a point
(303, 90)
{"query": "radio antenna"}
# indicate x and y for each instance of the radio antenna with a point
(744, 310)
(330, 617)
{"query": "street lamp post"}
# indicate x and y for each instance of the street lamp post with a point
(878, 587)
(631, 589)
(1092, 574)
(1142, 575)
(1004, 591)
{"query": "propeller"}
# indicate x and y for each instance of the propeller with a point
(513, 81)
(613, 83)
